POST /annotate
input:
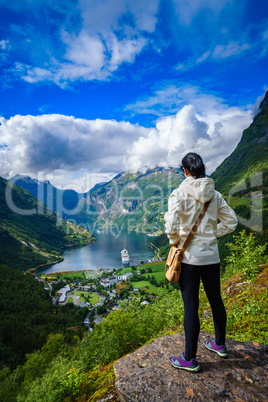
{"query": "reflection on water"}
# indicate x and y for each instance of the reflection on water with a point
(105, 253)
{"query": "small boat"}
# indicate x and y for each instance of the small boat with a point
(125, 256)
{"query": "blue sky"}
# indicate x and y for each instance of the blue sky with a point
(91, 88)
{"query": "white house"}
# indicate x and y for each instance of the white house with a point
(115, 279)
(108, 281)
(63, 293)
(124, 277)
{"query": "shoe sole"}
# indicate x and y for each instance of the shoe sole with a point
(225, 355)
(192, 370)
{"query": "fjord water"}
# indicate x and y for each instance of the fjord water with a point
(105, 253)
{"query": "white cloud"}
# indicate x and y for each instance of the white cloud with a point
(231, 49)
(187, 9)
(256, 107)
(203, 57)
(94, 39)
(85, 50)
(204, 125)
(5, 45)
(249, 44)
(265, 35)
(124, 50)
(80, 181)
(33, 74)
(78, 153)
(112, 33)
(62, 145)
(170, 97)
(119, 15)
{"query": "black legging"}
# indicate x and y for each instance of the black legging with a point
(189, 285)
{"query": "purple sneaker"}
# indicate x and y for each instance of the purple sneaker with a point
(220, 350)
(181, 363)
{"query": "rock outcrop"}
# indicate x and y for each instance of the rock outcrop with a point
(147, 375)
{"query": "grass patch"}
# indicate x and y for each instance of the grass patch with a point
(159, 276)
(156, 291)
(48, 277)
(124, 271)
(94, 298)
(70, 300)
(247, 321)
(151, 289)
(84, 296)
(140, 284)
(156, 266)
(159, 268)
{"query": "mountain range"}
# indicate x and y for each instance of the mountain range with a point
(64, 202)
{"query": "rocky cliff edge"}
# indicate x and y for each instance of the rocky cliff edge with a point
(146, 375)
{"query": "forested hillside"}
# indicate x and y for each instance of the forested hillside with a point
(28, 316)
(30, 233)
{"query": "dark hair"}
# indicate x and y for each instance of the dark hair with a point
(194, 164)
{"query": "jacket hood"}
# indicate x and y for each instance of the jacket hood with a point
(200, 189)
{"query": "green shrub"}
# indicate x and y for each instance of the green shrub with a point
(246, 256)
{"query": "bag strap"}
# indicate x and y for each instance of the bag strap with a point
(194, 228)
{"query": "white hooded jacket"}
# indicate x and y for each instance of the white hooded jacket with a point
(184, 206)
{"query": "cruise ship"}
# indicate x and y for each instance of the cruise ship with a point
(125, 256)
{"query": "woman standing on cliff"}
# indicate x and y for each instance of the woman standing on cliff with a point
(201, 258)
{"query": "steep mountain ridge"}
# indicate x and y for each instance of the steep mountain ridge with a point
(58, 200)
(64, 202)
(249, 157)
(243, 176)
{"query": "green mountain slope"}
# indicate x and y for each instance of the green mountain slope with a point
(249, 157)
(30, 233)
(243, 176)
